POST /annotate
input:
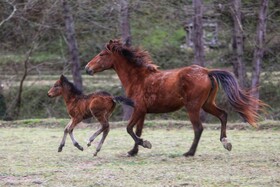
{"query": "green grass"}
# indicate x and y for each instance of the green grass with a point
(29, 157)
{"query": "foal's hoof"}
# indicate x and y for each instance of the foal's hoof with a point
(95, 154)
(88, 144)
(227, 145)
(60, 148)
(79, 147)
(147, 144)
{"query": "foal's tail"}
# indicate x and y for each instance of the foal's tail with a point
(123, 100)
(246, 105)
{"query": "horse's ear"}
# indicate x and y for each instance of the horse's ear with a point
(111, 41)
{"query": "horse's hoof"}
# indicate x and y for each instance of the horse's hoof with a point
(89, 144)
(81, 148)
(95, 154)
(228, 146)
(132, 153)
(147, 144)
(188, 154)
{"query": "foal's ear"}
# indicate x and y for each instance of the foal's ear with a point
(63, 78)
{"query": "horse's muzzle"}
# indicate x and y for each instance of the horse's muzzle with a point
(90, 72)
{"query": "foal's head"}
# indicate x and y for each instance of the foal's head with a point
(63, 85)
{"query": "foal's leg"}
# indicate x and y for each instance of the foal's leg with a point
(198, 129)
(104, 135)
(102, 117)
(136, 116)
(62, 143)
(222, 115)
(92, 138)
(139, 127)
(70, 130)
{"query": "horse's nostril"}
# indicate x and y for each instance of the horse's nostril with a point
(90, 72)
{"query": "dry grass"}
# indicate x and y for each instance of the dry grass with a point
(29, 157)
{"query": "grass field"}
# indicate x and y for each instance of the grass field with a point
(29, 157)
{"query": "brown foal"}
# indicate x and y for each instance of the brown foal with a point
(79, 107)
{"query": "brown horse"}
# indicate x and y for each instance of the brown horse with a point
(79, 107)
(155, 91)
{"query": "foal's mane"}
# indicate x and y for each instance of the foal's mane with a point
(136, 56)
(72, 87)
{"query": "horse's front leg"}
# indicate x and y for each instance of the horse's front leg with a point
(138, 141)
(139, 127)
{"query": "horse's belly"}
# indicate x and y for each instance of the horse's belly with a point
(164, 106)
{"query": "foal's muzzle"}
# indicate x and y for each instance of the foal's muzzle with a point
(90, 72)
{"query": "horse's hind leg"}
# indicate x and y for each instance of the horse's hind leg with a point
(198, 129)
(211, 108)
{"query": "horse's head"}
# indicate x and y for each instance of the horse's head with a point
(104, 60)
(56, 89)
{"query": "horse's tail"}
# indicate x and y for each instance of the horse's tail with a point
(123, 100)
(247, 106)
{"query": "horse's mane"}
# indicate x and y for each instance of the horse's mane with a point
(137, 56)
(71, 86)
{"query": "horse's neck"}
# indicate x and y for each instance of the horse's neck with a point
(129, 77)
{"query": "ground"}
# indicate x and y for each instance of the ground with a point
(29, 157)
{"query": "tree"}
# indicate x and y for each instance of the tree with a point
(126, 38)
(199, 56)
(72, 45)
(124, 22)
(259, 47)
(238, 42)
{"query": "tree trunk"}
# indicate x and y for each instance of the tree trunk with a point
(72, 45)
(238, 43)
(259, 47)
(126, 38)
(124, 22)
(199, 56)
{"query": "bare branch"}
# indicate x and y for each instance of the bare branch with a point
(11, 15)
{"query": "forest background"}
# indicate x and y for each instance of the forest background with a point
(40, 40)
